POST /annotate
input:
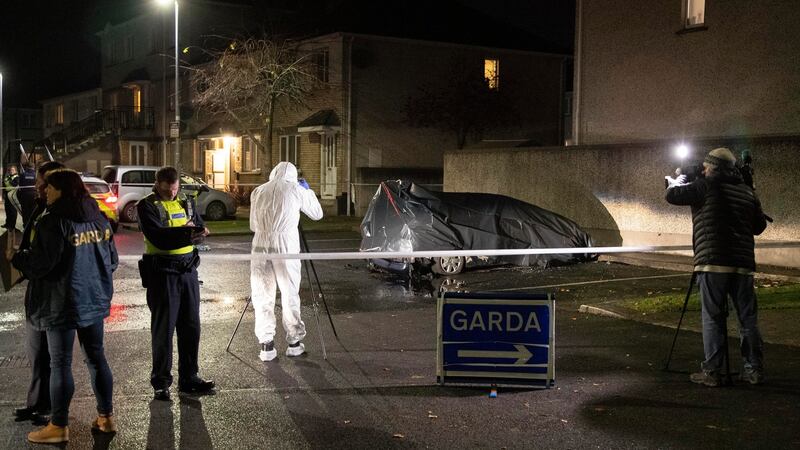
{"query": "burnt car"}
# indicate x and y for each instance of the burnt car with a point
(403, 216)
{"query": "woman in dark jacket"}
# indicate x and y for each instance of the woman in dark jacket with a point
(69, 265)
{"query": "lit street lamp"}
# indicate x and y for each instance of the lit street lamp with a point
(175, 127)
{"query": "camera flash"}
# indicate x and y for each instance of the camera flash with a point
(682, 151)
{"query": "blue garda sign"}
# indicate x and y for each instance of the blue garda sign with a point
(495, 338)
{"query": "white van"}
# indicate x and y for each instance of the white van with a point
(132, 183)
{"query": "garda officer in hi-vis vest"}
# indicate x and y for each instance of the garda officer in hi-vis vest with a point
(171, 225)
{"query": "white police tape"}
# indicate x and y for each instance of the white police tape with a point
(454, 253)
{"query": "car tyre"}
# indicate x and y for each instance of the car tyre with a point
(215, 211)
(448, 265)
(129, 213)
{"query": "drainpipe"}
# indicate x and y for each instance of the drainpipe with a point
(577, 139)
(349, 124)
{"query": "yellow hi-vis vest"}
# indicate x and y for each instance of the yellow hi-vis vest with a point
(173, 214)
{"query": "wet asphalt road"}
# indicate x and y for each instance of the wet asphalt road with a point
(377, 388)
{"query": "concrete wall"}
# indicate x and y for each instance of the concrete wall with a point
(639, 77)
(617, 192)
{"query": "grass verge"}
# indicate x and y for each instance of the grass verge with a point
(778, 297)
(329, 223)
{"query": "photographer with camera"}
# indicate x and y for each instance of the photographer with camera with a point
(726, 214)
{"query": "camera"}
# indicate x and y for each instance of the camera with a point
(692, 171)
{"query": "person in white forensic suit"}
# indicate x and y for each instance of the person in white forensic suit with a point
(275, 208)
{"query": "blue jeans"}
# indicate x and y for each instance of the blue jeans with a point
(714, 291)
(62, 386)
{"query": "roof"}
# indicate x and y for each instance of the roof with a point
(323, 120)
(217, 129)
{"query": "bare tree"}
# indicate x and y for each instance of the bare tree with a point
(247, 80)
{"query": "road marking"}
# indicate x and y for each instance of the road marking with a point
(593, 282)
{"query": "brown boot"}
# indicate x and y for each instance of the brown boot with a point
(51, 434)
(105, 424)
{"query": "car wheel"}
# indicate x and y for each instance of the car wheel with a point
(448, 265)
(215, 211)
(129, 213)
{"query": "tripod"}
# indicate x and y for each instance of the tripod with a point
(692, 280)
(306, 264)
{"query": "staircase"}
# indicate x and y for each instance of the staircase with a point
(88, 133)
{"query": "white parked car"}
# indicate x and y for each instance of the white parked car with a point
(132, 183)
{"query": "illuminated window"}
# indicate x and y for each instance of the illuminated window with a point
(290, 146)
(491, 73)
(694, 13)
(58, 114)
(136, 93)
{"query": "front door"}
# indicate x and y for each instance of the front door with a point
(328, 148)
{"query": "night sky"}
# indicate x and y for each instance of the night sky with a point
(49, 48)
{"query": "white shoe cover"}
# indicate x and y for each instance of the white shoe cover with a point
(296, 351)
(268, 355)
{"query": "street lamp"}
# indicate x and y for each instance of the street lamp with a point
(2, 136)
(175, 127)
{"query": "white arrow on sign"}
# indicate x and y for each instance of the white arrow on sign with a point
(522, 354)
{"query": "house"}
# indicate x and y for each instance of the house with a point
(357, 131)
(126, 119)
(648, 77)
(685, 69)
(20, 125)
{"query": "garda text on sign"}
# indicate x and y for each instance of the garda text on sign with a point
(495, 339)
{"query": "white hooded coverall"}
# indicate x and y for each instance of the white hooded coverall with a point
(274, 216)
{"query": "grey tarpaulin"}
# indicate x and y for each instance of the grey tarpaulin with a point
(404, 216)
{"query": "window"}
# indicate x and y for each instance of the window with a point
(136, 93)
(128, 48)
(155, 39)
(116, 51)
(58, 114)
(249, 155)
(290, 146)
(197, 159)
(320, 61)
(137, 155)
(694, 13)
(76, 111)
(491, 73)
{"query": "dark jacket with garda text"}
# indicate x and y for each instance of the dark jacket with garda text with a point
(726, 213)
(69, 264)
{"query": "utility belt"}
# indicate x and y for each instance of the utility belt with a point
(149, 265)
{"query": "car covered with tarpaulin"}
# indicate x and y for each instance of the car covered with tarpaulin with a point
(403, 217)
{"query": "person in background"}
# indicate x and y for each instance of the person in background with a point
(171, 224)
(37, 406)
(275, 209)
(726, 214)
(10, 181)
(26, 191)
(70, 263)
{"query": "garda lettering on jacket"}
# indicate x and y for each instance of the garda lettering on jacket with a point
(90, 237)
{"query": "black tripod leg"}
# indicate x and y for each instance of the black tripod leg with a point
(728, 379)
(319, 286)
(316, 311)
(680, 321)
(244, 310)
